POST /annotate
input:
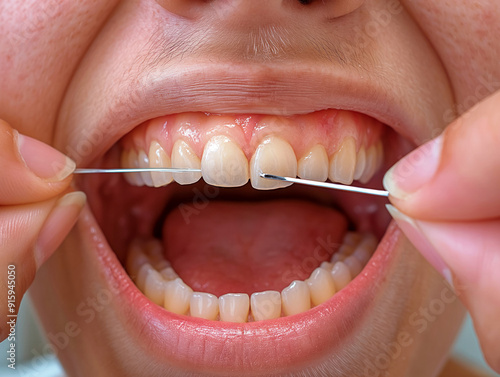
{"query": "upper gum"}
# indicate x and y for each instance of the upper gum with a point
(328, 128)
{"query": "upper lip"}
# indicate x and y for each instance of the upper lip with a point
(232, 88)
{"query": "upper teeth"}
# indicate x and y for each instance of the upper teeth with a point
(230, 150)
(224, 163)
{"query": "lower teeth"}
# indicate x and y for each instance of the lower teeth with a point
(157, 280)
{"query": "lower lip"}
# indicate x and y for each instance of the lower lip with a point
(283, 344)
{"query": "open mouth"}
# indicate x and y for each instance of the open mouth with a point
(228, 270)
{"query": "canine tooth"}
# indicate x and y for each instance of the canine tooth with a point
(135, 259)
(168, 273)
(177, 296)
(295, 298)
(234, 307)
(273, 156)
(343, 162)
(314, 165)
(266, 305)
(204, 305)
(341, 275)
(183, 156)
(360, 163)
(154, 287)
(380, 155)
(321, 286)
(144, 164)
(133, 162)
(371, 164)
(354, 265)
(158, 158)
(223, 163)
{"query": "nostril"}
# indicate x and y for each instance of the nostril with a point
(183, 8)
(231, 9)
(333, 8)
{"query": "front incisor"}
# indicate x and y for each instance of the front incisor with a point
(223, 163)
(273, 156)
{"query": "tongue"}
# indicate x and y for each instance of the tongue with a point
(247, 247)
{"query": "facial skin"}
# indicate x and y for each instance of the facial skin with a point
(70, 68)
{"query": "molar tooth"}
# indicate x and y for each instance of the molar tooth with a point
(168, 273)
(341, 275)
(354, 265)
(352, 239)
(144, 164)
(223, 163)
(360, 163)
(183, 156)
(343, 252)
(321, 286)
(314, 165)
(124, 162)
(142, 274)
(154, 251)
(135, 259)
(273, 156)
(266, 305)
(343, 162)
(159, 159)
(234, 307)
(177, 296)
(327, 265)
(133, 162)
(154, 287)
(295, 298)
(204, 305)
(365, 248)
(362, 255)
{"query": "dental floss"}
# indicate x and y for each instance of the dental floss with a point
(136, 170)
(334, 186)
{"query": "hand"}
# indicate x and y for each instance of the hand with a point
(446, 196)
(37, 210)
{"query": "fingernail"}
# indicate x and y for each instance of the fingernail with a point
(58, 224)
(43, 160)
(414, 233)
(414, 170)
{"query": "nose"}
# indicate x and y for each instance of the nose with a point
(260, 10)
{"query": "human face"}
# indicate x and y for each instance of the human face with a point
(97, 77)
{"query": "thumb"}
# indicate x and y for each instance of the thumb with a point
(31, 171)
(446, 201)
